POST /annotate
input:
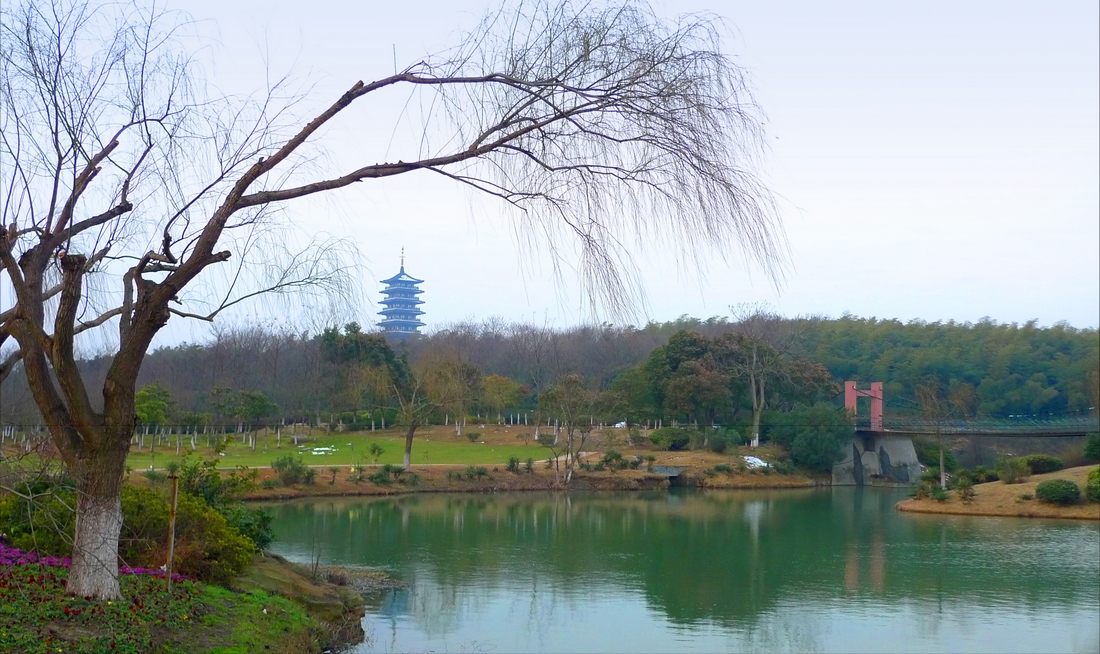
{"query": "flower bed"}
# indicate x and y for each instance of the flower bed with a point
(10, 556)
(37, 616)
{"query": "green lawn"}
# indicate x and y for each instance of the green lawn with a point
(347, 449)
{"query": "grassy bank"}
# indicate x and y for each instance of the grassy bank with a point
(1017, 500)
(36, 616)
(274, 606)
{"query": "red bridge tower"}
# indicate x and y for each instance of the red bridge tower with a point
(852, 395)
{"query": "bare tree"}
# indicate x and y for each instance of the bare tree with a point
(937, 410)
(573, 406)
(434, 383)
(126, 191)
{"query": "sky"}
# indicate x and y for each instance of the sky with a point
(933, 161)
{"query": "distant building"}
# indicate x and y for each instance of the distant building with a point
(402, 312)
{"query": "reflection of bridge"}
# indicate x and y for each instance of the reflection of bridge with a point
(882, 449)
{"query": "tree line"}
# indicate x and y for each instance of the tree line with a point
(686, 370)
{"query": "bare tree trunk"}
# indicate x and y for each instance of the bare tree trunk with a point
(757, 388)
(94, 568)
(943, 472)
(409, 443)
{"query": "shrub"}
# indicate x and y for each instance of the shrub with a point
(380, 478)
(454, 475)
(1026, 496)
(814, 435)
(719, 443)
(475, 472)
(207, 546)
(473, 436)
(202, 479)
(981, 475)
(393, 469)
(784, 467)
(1013, 470)
(930, 475)
(1042, 463)
(253, 524)
(614, 460)
(723, 467)
(929, 455)
(291, 470)
(1092, 486)
(411, 479)
(268, 484)
(670, 438)
(1092, 447)
(529, 465)
(938, 494)
(964, 488)
(1058, 491)
(44, 524)
(709, 472)
(513, 464)
(154, 476)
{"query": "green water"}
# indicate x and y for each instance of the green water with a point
(812, 570)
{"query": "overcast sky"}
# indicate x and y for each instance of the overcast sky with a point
(934, 160)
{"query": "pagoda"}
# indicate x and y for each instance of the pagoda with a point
(401, 315)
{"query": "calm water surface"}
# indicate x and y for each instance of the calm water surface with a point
(831, 570)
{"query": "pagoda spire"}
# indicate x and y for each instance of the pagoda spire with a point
(402, 306)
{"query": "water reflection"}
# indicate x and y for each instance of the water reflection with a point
(835, 569)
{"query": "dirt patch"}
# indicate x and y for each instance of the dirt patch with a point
(72, 632)
(1000, 499)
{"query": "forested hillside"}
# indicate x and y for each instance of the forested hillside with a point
(985, 368)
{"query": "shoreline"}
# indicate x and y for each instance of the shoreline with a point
(442, 478)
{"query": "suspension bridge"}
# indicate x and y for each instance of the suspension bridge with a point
(882, 448)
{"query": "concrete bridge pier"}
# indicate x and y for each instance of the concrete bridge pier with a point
(878, 459)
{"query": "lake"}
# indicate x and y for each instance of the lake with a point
(830, 570)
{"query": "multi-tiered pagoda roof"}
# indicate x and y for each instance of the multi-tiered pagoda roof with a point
(402, 312)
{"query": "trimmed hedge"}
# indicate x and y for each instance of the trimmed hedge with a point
(1058, 491)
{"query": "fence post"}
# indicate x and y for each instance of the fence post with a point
(172, 528)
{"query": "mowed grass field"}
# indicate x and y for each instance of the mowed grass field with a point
(435, 444)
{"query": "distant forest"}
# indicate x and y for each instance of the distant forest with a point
(988, 369)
